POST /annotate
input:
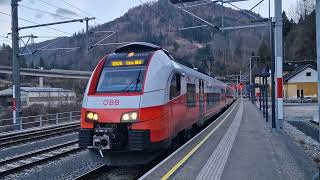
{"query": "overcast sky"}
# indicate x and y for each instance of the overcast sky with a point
(105, 11)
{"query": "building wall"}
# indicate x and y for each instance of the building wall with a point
(309, 89)
(51, 98)
(302, 77)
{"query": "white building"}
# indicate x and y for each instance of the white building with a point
(39, 95)
(302, 82)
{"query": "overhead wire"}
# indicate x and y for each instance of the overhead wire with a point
(53, 14)
(5, 21)
(89, 14)
(45, 2)
(57, 35)
(5, 37)
(50, 4)
(36, 23)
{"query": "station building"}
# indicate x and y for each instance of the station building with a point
(52, 97)
(301, 82)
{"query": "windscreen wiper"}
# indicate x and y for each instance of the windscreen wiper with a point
(137, 80)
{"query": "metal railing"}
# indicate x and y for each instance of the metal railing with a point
(46, 120)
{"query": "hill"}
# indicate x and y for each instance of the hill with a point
(157, 23)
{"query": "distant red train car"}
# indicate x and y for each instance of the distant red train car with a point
(140, 99)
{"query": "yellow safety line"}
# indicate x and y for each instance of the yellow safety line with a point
(183, 160)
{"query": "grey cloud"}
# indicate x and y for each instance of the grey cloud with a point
(31, 1)
(38, 16)
(65, 12)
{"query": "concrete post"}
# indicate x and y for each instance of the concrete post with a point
(41, 79)
(40, 119)
(278, 61)
(266, 97)
(16, 99)
(263, 97)
(250, 80)
(57, 118)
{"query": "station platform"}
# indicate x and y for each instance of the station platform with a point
(237, 145)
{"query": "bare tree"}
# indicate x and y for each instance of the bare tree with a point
(301, 9)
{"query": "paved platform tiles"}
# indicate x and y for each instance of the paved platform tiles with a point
(238, 145)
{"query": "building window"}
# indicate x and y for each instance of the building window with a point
(308, 74)
(175, 86)
(191, 94)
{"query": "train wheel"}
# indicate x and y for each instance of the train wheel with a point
(175, 144)
(186, 135)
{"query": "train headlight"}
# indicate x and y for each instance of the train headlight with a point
(134, 115)
(91, 116)
(131, 116)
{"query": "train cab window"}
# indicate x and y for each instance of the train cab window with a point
(121, 80)
(191, 94)
(175, 86)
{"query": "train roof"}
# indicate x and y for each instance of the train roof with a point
(137, 47)
(148, 47)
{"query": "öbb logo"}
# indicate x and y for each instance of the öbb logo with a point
(111, 102)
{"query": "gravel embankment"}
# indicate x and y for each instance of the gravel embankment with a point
(311, 146)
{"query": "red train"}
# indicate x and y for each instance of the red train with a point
(140, 99)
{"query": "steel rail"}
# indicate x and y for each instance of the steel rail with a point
(31, 159)
(25, 137)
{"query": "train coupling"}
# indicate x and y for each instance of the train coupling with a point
(102, 139)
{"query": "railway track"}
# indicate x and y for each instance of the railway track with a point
(13, 139)
(30, 159)
(91, 173)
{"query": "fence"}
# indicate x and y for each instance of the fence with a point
(7, 125)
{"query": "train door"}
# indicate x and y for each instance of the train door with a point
(176, 103)
(201, 98)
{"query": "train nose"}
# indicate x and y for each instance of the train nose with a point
(111, 109)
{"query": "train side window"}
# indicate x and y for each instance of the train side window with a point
(175, 86)
(191, 94)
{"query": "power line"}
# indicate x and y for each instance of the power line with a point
(8, 22)
(80, 9)
(5, 21)
(5, 37)
(53, 14)
(35, 23)
(45, 2)
(46, 27)
(6, 40)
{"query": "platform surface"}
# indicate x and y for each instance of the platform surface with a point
(238, 145)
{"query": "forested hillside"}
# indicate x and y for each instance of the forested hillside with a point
(157, 23)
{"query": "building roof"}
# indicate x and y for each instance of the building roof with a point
(24, 90)
(297, 71)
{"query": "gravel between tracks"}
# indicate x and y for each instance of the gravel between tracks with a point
(72, 166)
(36, 145)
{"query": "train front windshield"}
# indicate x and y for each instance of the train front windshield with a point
(121, 80)
(123, 73)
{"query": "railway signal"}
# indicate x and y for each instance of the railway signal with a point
(241, 86)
